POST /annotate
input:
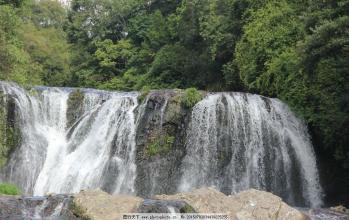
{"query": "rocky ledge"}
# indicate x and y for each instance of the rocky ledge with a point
(99, 205)
(250, 204)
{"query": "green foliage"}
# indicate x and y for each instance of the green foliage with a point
(299, 56)
(156, 44)
(272, 29)
(113, 57)
(78, 212)
(48, 49)
(174, 67)
(144, 92)
(160, 145)
(15, 63)
(33, 48)
(9, 189)
(48, 13)
(191, 97)
(187, 209)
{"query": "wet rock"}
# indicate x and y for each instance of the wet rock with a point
(160, 137)
(340, 208)
(10, 135)
(165, 206)
(206, 200)
(75, 106)
(43, 207)
(324, 214)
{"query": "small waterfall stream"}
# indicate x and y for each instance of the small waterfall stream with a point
(234, 141)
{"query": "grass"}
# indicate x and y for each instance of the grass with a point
(191, 97)
(161, 145)
(9, 189)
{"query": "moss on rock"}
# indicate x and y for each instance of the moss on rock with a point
(160, 145)
(174, 110)
(75, 106)
(78, 212)
(187, 209)
(9, 131)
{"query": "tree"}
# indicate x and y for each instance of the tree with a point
(273, 29)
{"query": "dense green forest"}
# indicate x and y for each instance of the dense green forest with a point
(295, 50)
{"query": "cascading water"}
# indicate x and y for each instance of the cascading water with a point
(234, 141)
(97, 151)
(238, 141)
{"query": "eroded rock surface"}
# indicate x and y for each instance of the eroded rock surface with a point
(264, 205)
(160, 142)
(247, 205)
(99, 205)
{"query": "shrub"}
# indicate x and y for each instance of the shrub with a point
(187, 209)
(144, 92)
(191, 97)
(9, 189)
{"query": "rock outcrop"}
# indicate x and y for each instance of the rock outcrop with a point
(160, 142)
(99, 205)
(264, 205)
(75, 107)
(248, 205)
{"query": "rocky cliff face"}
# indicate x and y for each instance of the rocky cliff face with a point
(160, 142)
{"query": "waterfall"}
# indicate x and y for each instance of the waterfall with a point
(97, 151)
(237, 141)
(231, 141)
